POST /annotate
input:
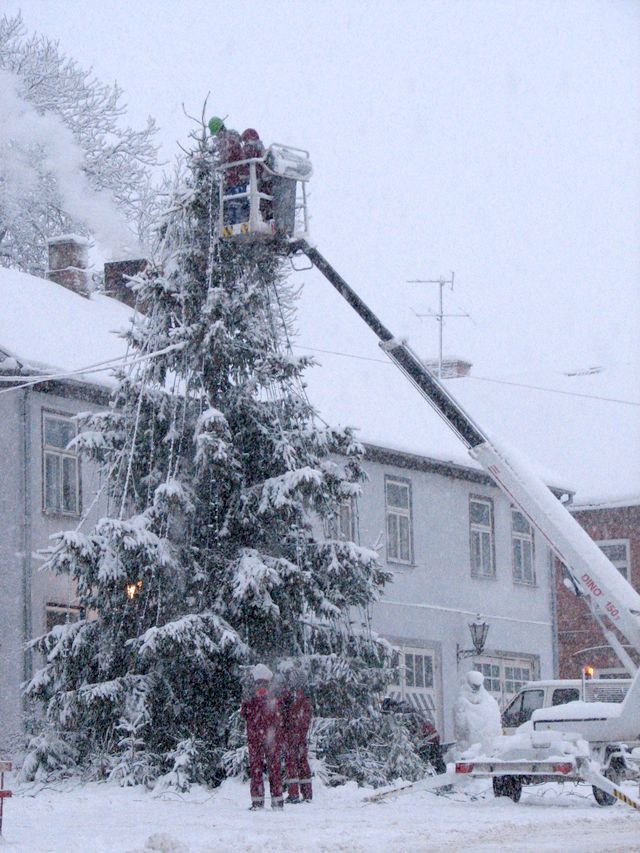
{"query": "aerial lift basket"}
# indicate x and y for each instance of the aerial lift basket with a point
(274, 203)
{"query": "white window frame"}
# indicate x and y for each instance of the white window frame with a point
(522, 542)
(622, 566)
(395, 515)
(65, 457)
(342, 525)
(477, 532)
(503, 672)
(424, 697)
(515, 677)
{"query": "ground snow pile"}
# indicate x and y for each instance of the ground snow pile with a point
(104, 818)
(160, 842)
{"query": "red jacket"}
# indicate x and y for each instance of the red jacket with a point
(230, 151)
(296, 715)
(251, 147)
(264, 721)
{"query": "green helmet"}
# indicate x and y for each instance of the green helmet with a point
(216, 125)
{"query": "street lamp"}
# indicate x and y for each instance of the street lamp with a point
(479, 630)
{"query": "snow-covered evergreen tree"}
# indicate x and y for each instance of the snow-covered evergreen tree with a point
(213, 555)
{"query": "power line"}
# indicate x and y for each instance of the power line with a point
(110, 364)
(557, 391)
(98, 367)
(483, 378)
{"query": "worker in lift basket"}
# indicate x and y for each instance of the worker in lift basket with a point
(476, 715)
(228, 146)
(261, 710)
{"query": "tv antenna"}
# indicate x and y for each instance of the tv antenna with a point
(437, 315)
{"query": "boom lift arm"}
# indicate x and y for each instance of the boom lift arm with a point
(592, 575)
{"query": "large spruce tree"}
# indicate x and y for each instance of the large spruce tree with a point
(214, 551)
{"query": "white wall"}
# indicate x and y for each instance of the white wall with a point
(432, 602)
(21, 571)
(11, 588)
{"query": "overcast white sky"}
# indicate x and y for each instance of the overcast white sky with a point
(496, 139)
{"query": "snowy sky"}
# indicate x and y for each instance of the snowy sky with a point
(496, 139)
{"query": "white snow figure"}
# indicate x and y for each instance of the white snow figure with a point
(476, 716)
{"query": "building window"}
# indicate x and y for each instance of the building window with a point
(418, 670)
(342, 524)
(504, 677)
(417, 681)
(491, 672)
(516, 677)
(60, 614)
(61, 480)
(395, 664)
(522, 548)
(617, 550)
(398, 507)
(481, 532)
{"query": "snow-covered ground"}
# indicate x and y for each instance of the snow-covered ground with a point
(96, 818)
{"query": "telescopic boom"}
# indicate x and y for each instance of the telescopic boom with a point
(592, 575)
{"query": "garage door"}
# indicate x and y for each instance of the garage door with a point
(419, 681)
(503, 677)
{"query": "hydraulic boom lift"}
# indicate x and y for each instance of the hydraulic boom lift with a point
(612, 600)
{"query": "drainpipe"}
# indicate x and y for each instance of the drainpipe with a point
(553, 601)
(25, 529)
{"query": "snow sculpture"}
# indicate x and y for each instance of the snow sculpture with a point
(476, 716)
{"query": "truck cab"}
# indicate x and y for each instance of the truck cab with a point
(548, 694)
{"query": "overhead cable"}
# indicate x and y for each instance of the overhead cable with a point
(483, 378)
(98, 367)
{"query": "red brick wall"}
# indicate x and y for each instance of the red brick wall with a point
(577, 629)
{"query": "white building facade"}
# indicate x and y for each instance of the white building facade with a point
(456, 548)
(44, 488)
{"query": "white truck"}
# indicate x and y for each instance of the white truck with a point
(549, 693)
(589, 741)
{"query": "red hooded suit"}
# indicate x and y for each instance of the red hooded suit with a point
(264, 739)
(296, 718)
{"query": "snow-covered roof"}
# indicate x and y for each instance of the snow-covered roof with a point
(45, 326)
(580, 429)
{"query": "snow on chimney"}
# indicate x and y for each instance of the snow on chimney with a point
(68, 263)
(452, 368)
(116, 277)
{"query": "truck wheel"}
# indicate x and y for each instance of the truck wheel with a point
(602, 798)
(507, 786)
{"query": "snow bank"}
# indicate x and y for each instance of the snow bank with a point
(104, 818)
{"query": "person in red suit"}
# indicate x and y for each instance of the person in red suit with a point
(228, 146)
(252, 146)
(296, 719)
(261, 710)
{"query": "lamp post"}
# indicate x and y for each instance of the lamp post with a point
(478, 630)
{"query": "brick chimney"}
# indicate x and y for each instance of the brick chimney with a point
(452, 368)
(68, 263)
(116, 277)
